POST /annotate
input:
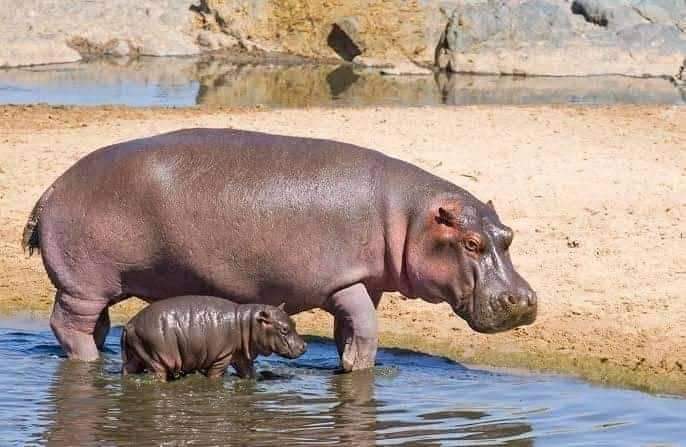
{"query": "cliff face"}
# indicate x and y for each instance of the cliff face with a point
(559, 38)
(48, 31)
(547, 37)
(382, 30)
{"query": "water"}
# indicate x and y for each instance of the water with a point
(408, 399)
(217, 82)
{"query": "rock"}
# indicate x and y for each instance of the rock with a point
(665, 39)
(372, 62)
(216, 40)
(542, 37)
(671, 12)
(613, 14)
(34, 50)
(345, 38)
(389, 30)
(406, 68)
(679, 79)
(120, 48)
(49, 31)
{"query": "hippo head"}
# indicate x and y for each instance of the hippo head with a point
(274, 333)
(461, 256)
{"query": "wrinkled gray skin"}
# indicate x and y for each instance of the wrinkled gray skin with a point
(252, 217)
(206, 334)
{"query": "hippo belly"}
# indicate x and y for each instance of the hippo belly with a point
(208, 218)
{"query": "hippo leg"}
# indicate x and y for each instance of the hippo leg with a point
(73, 321)
(102, 328)
(355, 326)
(132, 365)
(217, 370)
(244, 367)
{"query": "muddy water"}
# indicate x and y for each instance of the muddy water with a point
(408, 399)
(187, 82)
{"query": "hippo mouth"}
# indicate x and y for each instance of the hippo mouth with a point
(492, 314)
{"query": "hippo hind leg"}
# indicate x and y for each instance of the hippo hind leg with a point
(74, 322)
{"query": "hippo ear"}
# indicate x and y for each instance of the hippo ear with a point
(263, 317)
(446, 227)
(490, 205)
(446, 217)
(282, 306)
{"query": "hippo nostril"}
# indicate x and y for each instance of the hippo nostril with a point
(531, 299)
(512, 299)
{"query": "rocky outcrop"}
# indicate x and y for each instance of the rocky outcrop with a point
(556, 38)
(386, 30)
(48, 31)
(528, 37)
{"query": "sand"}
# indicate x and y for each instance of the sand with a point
(596, 196)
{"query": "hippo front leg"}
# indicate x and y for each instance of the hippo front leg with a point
(245, 368)
(355, 326)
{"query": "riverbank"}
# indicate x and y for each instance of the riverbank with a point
(596, 196)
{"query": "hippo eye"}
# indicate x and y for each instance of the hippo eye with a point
(471, 245)
(283, 330)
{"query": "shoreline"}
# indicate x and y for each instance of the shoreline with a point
(595, 195)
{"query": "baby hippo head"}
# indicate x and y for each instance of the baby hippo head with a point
(274, 332)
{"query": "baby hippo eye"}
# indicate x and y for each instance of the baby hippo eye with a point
(283, 330)
(471, 245)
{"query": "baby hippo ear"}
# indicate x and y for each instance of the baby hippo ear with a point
(282, 306)
(263, 317)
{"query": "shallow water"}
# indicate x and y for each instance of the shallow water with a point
(187, 82)
(408, 399)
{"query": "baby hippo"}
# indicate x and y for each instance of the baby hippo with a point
(185, 334)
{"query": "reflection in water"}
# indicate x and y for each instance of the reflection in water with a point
(223, 82)
(93, 406)
(80, 405)
(408, 399)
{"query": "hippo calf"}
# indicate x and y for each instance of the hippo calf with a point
(252, 216)
(206, 334)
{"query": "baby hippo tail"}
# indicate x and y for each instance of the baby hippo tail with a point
(269, 330)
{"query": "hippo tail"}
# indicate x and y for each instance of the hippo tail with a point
(31, 237)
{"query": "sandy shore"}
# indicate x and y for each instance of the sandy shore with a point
(597, 198)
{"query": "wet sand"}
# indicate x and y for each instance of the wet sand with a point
(596, 196)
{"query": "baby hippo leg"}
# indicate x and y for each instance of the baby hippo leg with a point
(132, 365)
(217, 369)
(244, 367)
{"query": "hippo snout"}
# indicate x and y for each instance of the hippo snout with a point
(301, 349)
(502, 311)
(298, 348)
(519, 308)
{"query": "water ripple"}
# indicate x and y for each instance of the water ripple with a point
(410, 399)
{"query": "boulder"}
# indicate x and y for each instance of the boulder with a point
(546, 37)
(49, 31)
(613, 14)
(390, 31)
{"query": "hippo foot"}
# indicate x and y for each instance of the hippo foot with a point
(358, 353)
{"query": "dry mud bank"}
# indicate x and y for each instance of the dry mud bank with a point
(596, 196)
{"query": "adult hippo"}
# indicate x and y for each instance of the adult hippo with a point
(265, 218)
